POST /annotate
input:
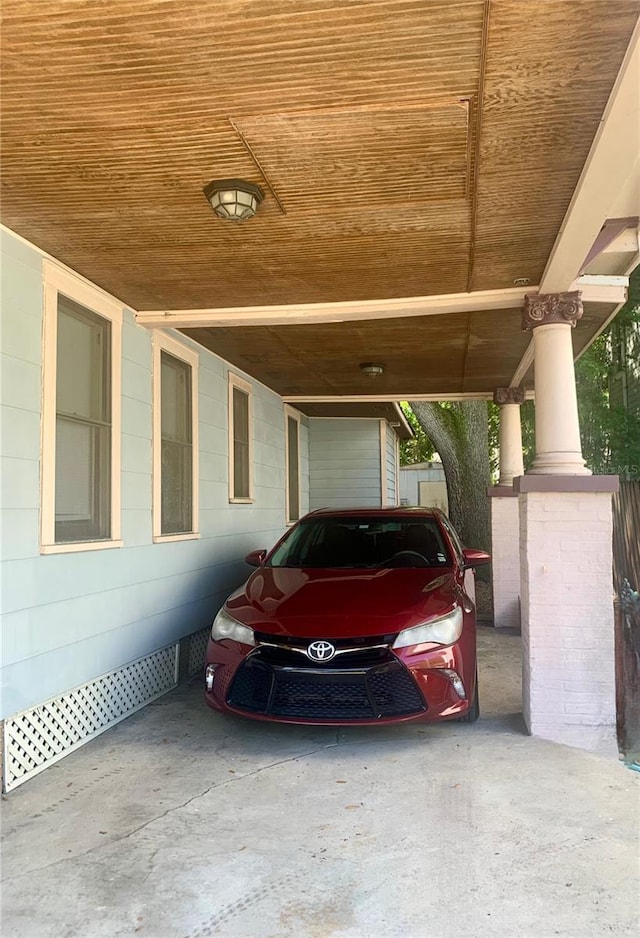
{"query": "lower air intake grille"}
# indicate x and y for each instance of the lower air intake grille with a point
(386, 691)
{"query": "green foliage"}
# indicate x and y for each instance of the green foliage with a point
(527, 417)
(420, 448)
(493, 414)
(608, 386)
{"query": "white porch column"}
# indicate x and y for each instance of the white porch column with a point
(565, 554)
(505, 520)
(510, 433)
(558, 447)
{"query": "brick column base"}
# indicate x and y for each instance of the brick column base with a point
(568, 679)
(505, 556)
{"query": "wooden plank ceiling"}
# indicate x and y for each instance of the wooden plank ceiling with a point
(469, 353)
(407, 148)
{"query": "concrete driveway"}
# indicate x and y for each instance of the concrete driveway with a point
(185, 824)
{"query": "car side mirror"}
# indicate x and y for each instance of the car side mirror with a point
(255, 558)
(474, 558)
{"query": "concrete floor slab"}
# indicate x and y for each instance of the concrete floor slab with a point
(180, 823)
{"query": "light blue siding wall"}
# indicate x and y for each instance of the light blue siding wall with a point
(391, 437)
(344, 463)
(68, 618)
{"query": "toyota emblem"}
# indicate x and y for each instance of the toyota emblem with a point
(321, 651)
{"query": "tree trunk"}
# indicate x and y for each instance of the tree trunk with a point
(459, 432)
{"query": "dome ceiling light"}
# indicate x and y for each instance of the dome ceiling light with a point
(371, 370)
(233, 199)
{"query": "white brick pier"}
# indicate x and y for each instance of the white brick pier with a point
(567, 609)
(505, 556)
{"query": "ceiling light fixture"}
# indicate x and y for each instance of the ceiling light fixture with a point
(233, 199)
(371, 370)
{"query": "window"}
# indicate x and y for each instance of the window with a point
(240, 444)
(83, 425)
(292, 449)
(362, 542)
(175, 439)
(80, 415)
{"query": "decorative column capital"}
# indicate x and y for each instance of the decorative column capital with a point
(541, 309)
(508, 396)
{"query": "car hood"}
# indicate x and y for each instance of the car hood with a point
(313, 603)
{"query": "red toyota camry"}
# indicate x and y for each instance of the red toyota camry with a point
(353, 617)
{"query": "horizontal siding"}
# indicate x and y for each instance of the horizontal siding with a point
(21, 329)
(67, 618)
(344, 463)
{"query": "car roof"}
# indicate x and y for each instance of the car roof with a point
(403, 511)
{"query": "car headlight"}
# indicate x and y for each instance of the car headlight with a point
(442, 631)
(225, 626)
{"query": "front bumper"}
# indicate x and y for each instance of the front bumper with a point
(364, 686)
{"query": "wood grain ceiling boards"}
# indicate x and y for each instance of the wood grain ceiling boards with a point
(549, 70)
(114, 115)
(350, 158)
(458, 353)
(463, 353)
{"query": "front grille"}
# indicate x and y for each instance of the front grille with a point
(251, 687)
(317, 699)
(265, 687)
(292, 641)
(359, 658)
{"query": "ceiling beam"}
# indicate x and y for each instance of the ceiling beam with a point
(614, 159)
(386, 398)
(524, 365)
(594, 290)
(601, 288)
(616, 235)
(350, 311)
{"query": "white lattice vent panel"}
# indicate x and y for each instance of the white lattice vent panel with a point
(197, 647)
(36, 738)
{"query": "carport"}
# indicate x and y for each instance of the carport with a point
(451, 195)
(452, 212)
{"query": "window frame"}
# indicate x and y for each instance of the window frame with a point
(235, 381)
(384, 501)
(293, 414)
(453, 536)
(60, 281)
(172, 346)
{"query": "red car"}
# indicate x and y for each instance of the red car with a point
(354, 617)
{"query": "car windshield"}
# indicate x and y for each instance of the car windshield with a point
(363, 542)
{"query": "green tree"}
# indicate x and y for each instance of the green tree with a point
(608, 386)
(420, 448)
